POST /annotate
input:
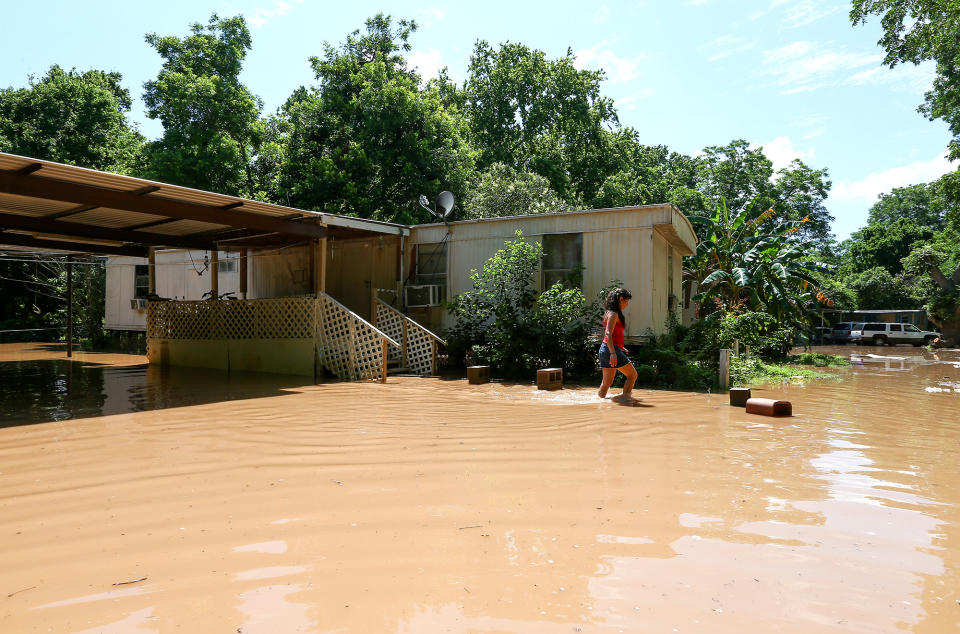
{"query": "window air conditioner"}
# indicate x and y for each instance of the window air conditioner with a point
(422, 295)
(138, 303)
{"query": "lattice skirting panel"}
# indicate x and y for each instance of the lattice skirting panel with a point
(345, 344)
(390, 321)
(419, 345)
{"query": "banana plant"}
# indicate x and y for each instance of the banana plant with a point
(750, 260)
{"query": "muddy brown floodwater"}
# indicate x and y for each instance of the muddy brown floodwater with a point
(139, 500)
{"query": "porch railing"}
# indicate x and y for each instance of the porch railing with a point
(418, 346)
(347, 345)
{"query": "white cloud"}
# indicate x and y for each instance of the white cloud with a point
(902, 77)
(600, 57)
(601, 15)
(804, 66)
(428, 63)
(803, 12)
(630, 102)
(429, 17)
(869, 188)
(262, 15)
(725, 46)
(781, 152)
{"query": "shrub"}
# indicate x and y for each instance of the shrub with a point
(502, 321)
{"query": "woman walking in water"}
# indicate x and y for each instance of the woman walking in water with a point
(612, 355)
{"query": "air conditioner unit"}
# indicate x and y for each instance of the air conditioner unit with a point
(422, 295)
(138, 303)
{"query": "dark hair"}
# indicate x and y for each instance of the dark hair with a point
(613, 303)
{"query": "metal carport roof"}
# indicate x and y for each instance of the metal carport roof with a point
(46, 205)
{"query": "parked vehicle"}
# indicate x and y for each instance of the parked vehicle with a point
(841, 332)
(880, 334)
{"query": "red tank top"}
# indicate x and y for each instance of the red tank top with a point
(617, 333)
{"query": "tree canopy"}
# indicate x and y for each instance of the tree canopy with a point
(211, 121)
(72, 117)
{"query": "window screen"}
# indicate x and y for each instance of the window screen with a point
(141, 280)
(432, 263)
(562, 258)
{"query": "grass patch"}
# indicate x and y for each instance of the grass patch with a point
(745, 373)
(817, 359)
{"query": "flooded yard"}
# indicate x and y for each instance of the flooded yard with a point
(135, 499)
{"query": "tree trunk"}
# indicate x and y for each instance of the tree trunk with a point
(949, 328)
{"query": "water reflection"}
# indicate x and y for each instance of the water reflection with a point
(37, 385)
(421, 506)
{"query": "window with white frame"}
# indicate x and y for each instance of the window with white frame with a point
(141, 280)
(562, 260)
(432, 263)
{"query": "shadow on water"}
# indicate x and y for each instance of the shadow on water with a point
(45, 390)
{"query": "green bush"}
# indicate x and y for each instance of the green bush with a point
(503, 322)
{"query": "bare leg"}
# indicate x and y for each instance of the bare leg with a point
(608, 375)
(630, 374)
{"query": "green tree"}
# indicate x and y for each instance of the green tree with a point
(211, 121)
(882, 245)
(527, 110)
(915, 31)
(72, 117)
(924, 205)
(503, 191)
(368, 140)
(737, 174)
(800, 191)
(877, 289)
(943, 303)
(654, 174)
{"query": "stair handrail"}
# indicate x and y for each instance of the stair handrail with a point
(366, 323)
(413, 322)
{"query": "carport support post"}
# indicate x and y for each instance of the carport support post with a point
(214, 274)
(243, 273)
(69, 306)
(152, 270)
(320, 266)
(724, 379)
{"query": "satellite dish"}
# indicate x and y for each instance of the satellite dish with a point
(444, 206)
(445, 203)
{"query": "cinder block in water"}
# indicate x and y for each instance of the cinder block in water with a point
(739, 396)
(477, 374)
(550, 379)
(769, 407)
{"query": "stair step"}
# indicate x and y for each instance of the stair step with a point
(397, 370)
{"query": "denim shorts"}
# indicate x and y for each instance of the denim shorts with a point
(622, 358)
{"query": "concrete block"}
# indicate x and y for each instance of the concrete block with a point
(477, 374)
(739, 396)
(550, 379)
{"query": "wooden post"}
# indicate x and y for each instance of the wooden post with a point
(383, 366)
(322, 264)
(736, 347)
(724, 368)
(403, 349)
(434, 347)
(215, 274)
(152, 270)
(748, 353)
(69, 306)
(316, 270)
(243, 273)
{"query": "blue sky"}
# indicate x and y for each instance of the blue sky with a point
(792, 76)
